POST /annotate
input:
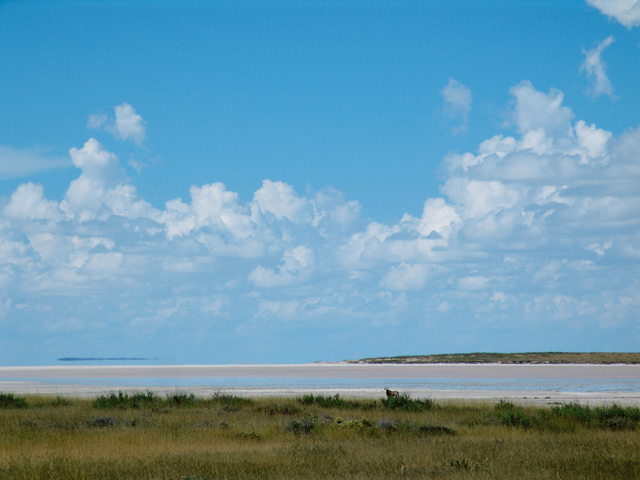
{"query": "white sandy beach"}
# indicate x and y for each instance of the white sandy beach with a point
(61, 380)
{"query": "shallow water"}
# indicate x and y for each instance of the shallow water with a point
(312, 384)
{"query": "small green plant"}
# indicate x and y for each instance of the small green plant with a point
(124, 401)
(181, 399)
(611, 417)
(403, 402)
(335, 402)
(231, 400)
(60, 402)
(361, 424)
(7, 400)
(249, 436)
(101, 422)
(300, 427)
(429, 429)
(508, 414)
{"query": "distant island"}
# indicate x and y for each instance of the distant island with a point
(510, 358)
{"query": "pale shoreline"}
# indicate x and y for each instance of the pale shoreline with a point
(45, 380)
(335, 370)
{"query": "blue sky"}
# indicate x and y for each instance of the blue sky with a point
(220, 182)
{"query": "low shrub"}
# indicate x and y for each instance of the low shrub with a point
(7, 400)
(300, 427)
(403, 402)
(181, 399)
(508, 414)
(429, 429)
(387, 425)
(229, 409)
(231, 400)
(360, 424)
(335, 402)
(412, 428)
(514, 418)
(249, 436)
(124, 401)
(101, 422)
(611, 417)
(60, 402)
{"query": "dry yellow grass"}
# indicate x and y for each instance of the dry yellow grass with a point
(221, 439)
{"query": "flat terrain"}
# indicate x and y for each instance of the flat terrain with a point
(353, 380)
(181, 437)
(512, 358)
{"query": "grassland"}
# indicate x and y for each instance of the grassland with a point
(511, 358)
(142, 436)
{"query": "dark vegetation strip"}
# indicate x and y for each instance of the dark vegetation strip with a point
(557, 418)
(512, 358)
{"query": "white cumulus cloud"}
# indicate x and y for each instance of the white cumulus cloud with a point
(627, 12)
(281, 200)
(127, 125)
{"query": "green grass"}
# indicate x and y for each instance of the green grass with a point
(144, 436)
(512, 358)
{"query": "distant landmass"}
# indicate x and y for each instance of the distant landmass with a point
(534, 357)
(92, 359)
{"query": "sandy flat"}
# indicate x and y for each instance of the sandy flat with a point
(50, 380)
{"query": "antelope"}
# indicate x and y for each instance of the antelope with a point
(391, 393)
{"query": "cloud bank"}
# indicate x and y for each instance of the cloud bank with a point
(538, 230)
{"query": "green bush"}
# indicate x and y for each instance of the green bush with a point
(300, 427)
(60, 402)
(7, 400)
(403, 402)
(181, 399)
(429, 429)
(361, 424)
(335, 402)
(506, 413)
(124, 401)
(612, 417)
(231, 400)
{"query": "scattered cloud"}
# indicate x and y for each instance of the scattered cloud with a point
(128, 125)
(595, 69)
(457, 103)
(627, 12)
(97, 120)
(540, 226)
